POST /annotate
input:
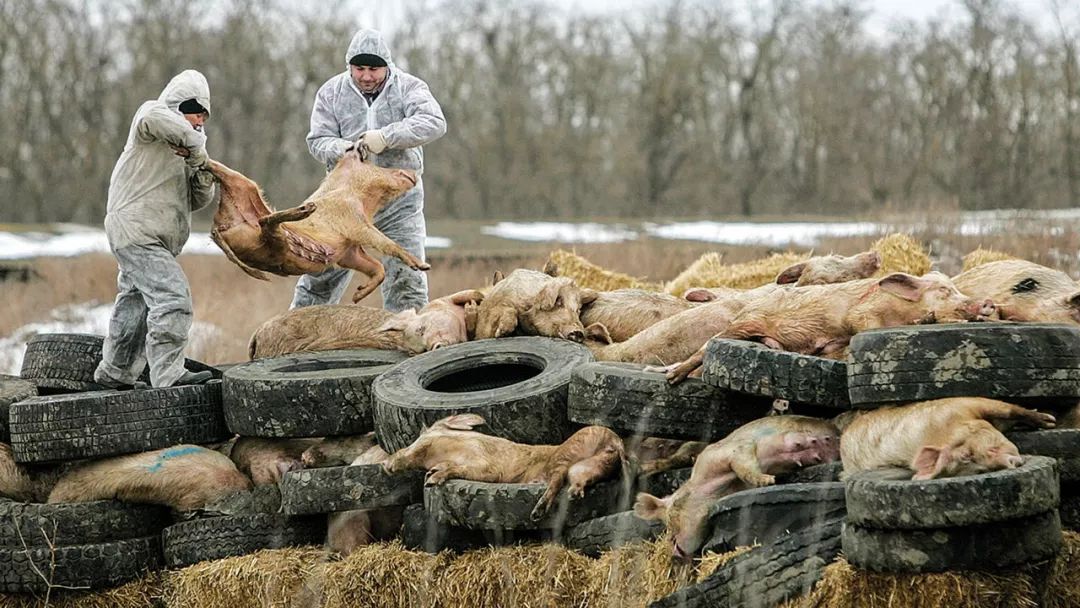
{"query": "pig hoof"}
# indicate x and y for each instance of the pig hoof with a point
(538, 512)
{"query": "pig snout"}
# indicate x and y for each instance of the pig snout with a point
(980, 311)
(1013, 461)
(678, 552)
(575, 335)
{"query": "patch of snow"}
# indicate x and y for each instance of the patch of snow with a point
(85, 318)
(437, 242)
(561, 232)
(804, 234)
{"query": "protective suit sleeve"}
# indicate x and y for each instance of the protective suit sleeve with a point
(203, 189)
(324, 139)
(423, 123)
(165, 125)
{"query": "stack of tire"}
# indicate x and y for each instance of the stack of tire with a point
(991, 520)
(56, 414)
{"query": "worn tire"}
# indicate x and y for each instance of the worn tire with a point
(753, 368)
(306, 394)
(818, 473)
(985, 546)
(260, 499)
(92, 566)
(210, 538)
(519, 386)
(108, 423)
(65, 363)
(1062, 444)
(767, 575)
(85, 523)
(594, 536)
(330, 489)
(1069, 507)
(421, 531)
(629, 401)
(507, 506)
(1007, 361)
(762, 515)
(12, 390)
(663, 483)
(967, 500)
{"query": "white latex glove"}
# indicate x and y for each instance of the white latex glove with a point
(373, 140)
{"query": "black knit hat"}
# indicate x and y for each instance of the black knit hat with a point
(368, 59)
(190, 106)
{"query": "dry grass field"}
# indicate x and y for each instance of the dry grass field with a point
(237, 304)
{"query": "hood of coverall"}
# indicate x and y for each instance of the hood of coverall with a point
(369, 42)
(189, 84)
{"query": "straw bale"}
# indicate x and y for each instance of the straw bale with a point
(586, 274)
(637, 574)
(984, 256)
(1063, 584)
(384, 575)
(901, 253)
(708, 271)
(146, 591)
(272, 578)
(523, 576)
(709, 562)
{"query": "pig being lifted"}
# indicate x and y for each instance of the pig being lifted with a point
(531, 303)
(450, 449)
(441, 322)
(332, 227)
(184, 477)
(821, 319)
(749, 457)
(1024, 291)
(940, 438)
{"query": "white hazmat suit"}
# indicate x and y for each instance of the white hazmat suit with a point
(152, 193)
(407, 116)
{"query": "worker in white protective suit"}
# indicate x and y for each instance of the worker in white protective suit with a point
(392, 114)
(154, 187)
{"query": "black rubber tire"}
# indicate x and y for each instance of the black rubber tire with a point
(207, 538)
(1062, 444)
(12, 390)
(629, 401)
(421, 531)
(260, 499)
(762, 515)
(663, 483)
(594, 536)
(108, 423)
(987, 546)
(531, 411)
(1007, 361)
(753, 368)
(306, 394)
(1025, 491)
(1069, 507)
(507, 506)
(818, 473)
(85, 523)
(767, 575)
(330, 489)
(92, 566)
(65, 363)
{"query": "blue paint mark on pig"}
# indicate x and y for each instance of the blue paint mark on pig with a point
(169, 454)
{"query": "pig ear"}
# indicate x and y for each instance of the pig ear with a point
(398, 322)
(464, 297)
(903, 285)
(648, 506)
(498, 276)
(463, 422)
(588, 295)
(699, 294)
(545, 300)
(1074, 300)
(929, 462)
(551, 268)
(791, 274)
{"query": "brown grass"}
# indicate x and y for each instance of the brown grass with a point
(140, 593)
(238, 304)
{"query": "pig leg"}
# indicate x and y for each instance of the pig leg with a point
(215, 236)
(683, 457)
(269, 222)
(1001, 412)
(357, 259)
(744, 463)
(371, 237)
(442, 471)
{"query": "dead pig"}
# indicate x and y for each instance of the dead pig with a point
(821, 319)
(627, 312)
(441, 322)
(266, 460)
(1024, 291)
(528, 302)
(22, 483)
(451, 449)
(347, 530)
(818, 270)
(340, 450)
(333, 227)
(750, 457)
(939, 438)
(184, 477)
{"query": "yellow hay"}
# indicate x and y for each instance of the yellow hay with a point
(522, 576)
(586, 274)
(983, 256)
(901, 253)
(1063, 583)
(383, 575)
(266, 579)
(709, 562)
(637, 574)
(136, 594)
(707, 271)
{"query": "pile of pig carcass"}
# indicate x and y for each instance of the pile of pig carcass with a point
(474, 442)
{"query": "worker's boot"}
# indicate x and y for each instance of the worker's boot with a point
(190, 377)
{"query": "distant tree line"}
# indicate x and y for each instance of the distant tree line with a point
(683, 109)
